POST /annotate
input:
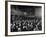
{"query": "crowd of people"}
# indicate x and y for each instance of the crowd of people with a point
(25, 23)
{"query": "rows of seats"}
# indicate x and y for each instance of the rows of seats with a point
(23, 23)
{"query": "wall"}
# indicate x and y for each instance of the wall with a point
(38, 12)
(16, 12)
(22, 10)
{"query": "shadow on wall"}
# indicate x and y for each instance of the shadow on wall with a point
(14, 36)
(11, 36)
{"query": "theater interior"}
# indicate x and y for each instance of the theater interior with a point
(26, 18)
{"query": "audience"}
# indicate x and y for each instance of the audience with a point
(23, 23)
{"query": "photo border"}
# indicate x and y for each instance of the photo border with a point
(6, 18)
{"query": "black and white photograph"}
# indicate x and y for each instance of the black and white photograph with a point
(25, 18)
